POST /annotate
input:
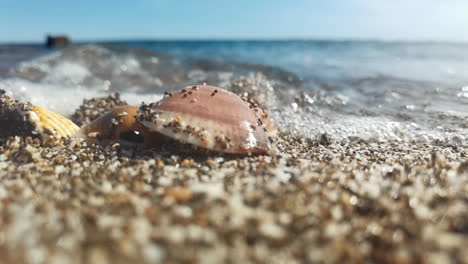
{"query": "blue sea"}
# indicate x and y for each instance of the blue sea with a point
(370, 90)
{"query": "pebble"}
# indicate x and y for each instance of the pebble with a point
(180, 194)
(272, 230)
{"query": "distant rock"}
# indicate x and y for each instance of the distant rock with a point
(57, 41)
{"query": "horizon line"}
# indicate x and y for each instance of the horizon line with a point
(234, 39)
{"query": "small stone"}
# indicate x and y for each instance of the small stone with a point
(326, 139)
(179, 194)
(98, 256)
(272, 230)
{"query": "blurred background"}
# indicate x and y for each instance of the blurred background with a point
(419, 20)
(373, 69)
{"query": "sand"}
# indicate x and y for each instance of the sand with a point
(314, 201)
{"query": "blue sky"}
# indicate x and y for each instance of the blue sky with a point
(439, 20)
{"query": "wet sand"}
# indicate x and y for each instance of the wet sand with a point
(315, 201)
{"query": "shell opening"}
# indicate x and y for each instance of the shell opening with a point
(132, 136)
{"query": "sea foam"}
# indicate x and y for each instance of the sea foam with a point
(64, 99)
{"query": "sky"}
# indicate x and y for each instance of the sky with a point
(92, 20)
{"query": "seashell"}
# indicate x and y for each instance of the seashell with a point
(209, 117)
(49, 122)
(203, 116)
(119, 125)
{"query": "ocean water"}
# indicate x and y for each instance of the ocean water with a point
(379, 91)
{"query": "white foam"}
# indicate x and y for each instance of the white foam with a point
(67, 72)
(342, 127)
(64, 99)
(92, 65)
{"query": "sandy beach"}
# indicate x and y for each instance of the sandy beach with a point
(315, 201)
(273, 132)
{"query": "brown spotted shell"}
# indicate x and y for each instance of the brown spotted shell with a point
(119, 125)
(209, 117)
